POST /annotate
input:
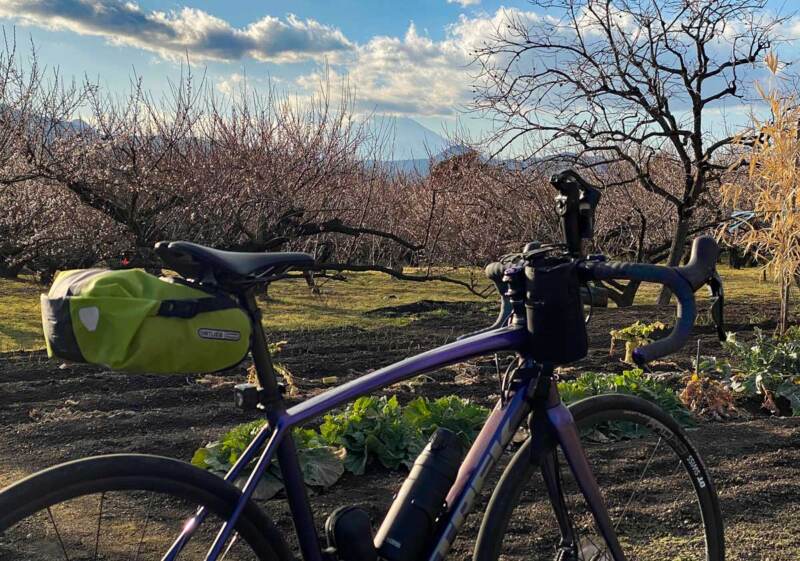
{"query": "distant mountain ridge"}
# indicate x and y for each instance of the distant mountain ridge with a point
(407, 146)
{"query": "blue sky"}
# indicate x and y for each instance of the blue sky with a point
(71, 35)
(407, 58)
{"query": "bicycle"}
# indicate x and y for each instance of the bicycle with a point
(541, 321)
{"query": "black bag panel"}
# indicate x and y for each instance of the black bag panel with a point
(57, 327)
(555, 312)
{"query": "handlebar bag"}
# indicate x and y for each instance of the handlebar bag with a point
(134, 321)
(555, 312)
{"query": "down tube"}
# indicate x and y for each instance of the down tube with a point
(481, 458)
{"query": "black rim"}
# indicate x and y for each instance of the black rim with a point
(660, 511)
(74, 512)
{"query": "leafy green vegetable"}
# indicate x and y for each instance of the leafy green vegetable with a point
(635, 335)
(378, 430)
(236, 440)
(638, 332)
(767, 367)
(210, 457)
(320, 463)
(631, 382)
(451, 412)
(370, 429)
(712, 367)
(220, 455)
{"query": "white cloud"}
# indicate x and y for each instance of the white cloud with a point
(414, 74)
(231, 84)
(464, 3)
(172, 34)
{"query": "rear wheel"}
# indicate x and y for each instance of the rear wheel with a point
(658, 492)
(126, 507)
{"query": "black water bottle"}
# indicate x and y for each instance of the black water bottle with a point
(408, 527)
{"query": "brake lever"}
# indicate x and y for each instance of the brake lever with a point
(717, 304)
(505, 306)
(495, 272)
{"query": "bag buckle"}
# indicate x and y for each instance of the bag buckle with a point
(184, 309)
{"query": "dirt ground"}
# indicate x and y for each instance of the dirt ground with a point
(50, 413)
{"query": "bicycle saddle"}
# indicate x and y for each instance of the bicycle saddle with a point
(194, 261)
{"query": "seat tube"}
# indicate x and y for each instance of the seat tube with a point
(297, 497)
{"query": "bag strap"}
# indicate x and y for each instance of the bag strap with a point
(186, 309)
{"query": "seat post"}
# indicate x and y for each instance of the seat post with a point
(262, 360)
(302, 515)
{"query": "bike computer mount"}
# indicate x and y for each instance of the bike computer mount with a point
(575, 203)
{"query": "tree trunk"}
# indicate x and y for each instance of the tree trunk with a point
(675, 253)
(9, 271)
(623, 297)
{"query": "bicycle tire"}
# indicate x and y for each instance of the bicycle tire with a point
(162, 476)
(588, 412)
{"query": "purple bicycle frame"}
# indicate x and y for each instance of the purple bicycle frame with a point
(493, 439)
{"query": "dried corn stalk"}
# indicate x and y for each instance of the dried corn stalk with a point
(774, 188)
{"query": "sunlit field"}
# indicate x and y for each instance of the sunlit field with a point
(340, 303)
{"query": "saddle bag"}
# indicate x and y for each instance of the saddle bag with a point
(555, 312)
(134, 321)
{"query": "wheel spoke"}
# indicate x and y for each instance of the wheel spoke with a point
(621, 517)
(144, 530)
(603, 550)
(576, 532)
(99, 522)
(58, 534)
(641, 478)
(120, 508)
(230, 546)
(643, 483)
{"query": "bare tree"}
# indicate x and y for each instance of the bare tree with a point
(89, 177)
(627, 82)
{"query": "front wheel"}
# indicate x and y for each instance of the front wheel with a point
(659, 495)
(126, 507)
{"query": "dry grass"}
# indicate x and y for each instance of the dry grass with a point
(340, 304)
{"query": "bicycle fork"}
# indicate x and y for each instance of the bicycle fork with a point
(552, 423)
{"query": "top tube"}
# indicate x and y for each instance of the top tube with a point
(513, 338)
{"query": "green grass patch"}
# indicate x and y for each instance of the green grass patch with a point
(345, 303)
(744, 285)
(20, 316)
(292, 306)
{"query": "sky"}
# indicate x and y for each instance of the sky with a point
(409, 58)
